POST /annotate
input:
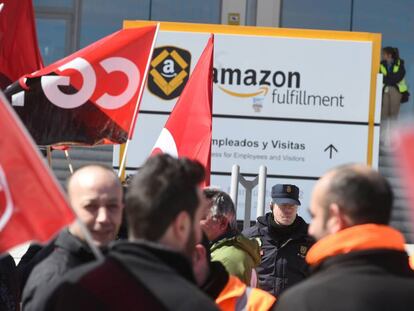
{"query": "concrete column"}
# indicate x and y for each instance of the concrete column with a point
(268, 13)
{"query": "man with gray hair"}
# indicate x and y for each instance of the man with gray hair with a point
(238, 254)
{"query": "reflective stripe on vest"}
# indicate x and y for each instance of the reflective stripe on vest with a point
(237, 296)
(241, 302)
(402, 85)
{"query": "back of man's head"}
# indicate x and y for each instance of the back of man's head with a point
(163, 188)
(361, 193)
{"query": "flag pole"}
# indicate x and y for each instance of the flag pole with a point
(69, 161)
(49, 155)
(121, 172)
(122, 165)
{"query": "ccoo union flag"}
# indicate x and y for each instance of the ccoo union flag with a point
(32, 204)
(187, 132)
(19, 53)
(405, 155)
(90, 97)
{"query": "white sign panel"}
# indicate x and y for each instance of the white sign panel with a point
(300, 106)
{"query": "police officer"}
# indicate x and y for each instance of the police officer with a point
(284, 241)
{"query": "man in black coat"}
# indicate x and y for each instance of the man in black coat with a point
(359, 262)
(151, 271)
(9, 284)
(284, 242)
(95, 194)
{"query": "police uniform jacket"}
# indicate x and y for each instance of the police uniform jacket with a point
(283, 252)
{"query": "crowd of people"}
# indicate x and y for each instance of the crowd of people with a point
(183, 249)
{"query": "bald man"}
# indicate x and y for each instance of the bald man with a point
(95, 194)
(359, 262)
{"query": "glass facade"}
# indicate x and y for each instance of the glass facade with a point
(194, 11)
(392, 18)
(54, 3)
(52, 36)
(316, 14)
(67, 25)
(103, 17)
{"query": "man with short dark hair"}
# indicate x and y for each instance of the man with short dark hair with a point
(359, 262)
(284, 241)
(151, 271)
(95, 194)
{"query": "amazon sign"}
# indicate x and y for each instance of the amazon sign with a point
(290, 99)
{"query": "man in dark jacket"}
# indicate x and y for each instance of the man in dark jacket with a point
(359, 263)
(95, 194)
(284, 242)
(9, 284)
(151, 271)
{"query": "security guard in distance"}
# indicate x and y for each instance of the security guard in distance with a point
(284, 241)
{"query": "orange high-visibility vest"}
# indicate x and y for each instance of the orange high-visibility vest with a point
(236, 296)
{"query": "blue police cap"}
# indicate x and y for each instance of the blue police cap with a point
(285, 194)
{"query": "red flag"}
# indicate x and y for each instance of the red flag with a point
(187, 132)
(19, 53)
(405, 163)
(89, 97)
(32, 204)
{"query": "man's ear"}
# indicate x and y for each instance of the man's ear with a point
(337, 220)
(199, 254)
(200, 264)
(182, 226)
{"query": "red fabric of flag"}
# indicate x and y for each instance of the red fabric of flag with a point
(405, 163)
(90, 97)
(32, 204)
(19, 52)
(188, 130)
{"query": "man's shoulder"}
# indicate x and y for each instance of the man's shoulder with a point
(238, 246)
(295, 298)
(258, 229)
(328, 286)
(51, 267)
(229, 250)
(307, 294)
(47, 272)
(102, 280)
(95, 280)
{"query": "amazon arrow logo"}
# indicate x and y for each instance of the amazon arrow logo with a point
(262, 90)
